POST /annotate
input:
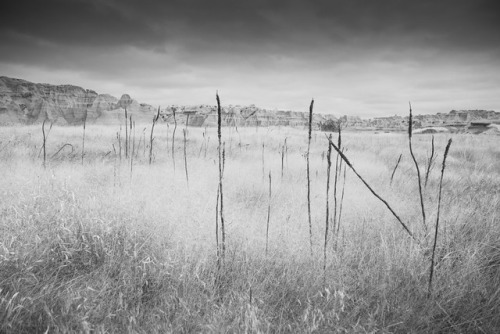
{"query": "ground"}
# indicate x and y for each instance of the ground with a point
(110, 244)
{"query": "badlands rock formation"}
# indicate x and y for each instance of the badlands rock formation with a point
(102, 103)
(454, 121)
(27, 103)
(206, 115)
(141, 113)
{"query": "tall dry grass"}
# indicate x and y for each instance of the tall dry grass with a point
(82, 252)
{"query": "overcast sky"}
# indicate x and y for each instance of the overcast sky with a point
(355, 57)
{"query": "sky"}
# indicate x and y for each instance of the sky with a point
(363, 58)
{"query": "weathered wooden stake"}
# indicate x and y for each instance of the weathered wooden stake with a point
(308, 176)
(268, 213)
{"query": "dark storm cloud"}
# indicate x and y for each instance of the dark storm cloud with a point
(447, 21)
(251, 23)
(367, 52)
(75, 22)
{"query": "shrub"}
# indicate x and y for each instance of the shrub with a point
(329, 126)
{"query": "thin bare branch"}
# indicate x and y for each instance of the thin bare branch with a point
(410, 126)
(429, 291)
(372, 191)
(396, 167)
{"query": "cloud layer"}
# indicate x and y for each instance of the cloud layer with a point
(354, 57)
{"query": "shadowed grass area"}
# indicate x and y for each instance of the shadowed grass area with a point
(96, 248)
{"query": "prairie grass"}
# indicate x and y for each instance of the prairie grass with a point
(91, 249)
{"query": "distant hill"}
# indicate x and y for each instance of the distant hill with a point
(27, 103)
(24, 102)
(472, 121)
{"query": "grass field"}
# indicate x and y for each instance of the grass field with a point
(106, 247)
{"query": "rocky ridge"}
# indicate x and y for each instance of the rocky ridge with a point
(472, 121)
(25, 102)
(236, 115)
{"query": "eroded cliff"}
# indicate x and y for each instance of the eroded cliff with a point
(25, 102)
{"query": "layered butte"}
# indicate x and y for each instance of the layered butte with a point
(24, 102)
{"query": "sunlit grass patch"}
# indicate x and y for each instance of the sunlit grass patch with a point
(96, 247)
